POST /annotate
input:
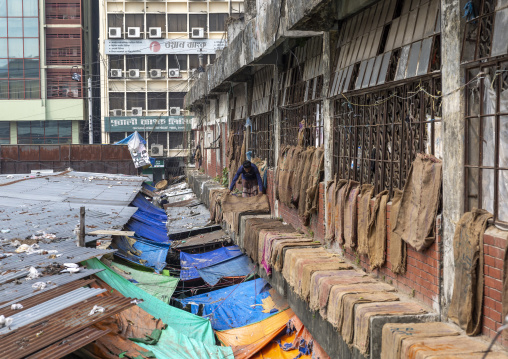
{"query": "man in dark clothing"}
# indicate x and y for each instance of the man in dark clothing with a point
(251, 180)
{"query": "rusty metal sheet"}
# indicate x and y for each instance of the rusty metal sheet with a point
(69, 344)
(8, 152)
(49, 153)
(29, 153)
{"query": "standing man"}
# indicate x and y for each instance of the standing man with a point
(251, 180)
(198, 158)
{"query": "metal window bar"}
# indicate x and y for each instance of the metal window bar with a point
(261, 137)
(478, 34)
(485, 167)
(312, 114)
(376, 136)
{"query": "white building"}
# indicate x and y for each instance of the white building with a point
(150, 51)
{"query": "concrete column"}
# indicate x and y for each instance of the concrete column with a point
(276, 116)
(327, 108)
(453, 138)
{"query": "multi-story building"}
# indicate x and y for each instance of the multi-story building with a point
(42, 71)
(150, 52)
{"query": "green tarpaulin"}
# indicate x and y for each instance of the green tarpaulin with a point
(182, 322)
(160, 286)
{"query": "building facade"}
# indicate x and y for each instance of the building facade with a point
(41, 68)
(150, 52)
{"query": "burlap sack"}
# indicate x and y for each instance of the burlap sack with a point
(263, 233)
(329, 215)
(348, 308)
(325, 259)
(467, 299)
(312, 194)
(395, 333)
(340, 199)
(278, 250)
(252, 230)
(243, 150)
(398, 252)
(280, 166)
(364, 312)
(215, 198)
(316, 277)
(420, 202)
(320, 266)
(449, 347)
(350, 215)
(305, 182)
(291, 255)
(364, 211)
(335, 309)
(377, 231)
(239, 205)
(269, 241)
(284, 192)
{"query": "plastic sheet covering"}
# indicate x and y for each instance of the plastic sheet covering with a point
(144, 205)
(141, 251)
(193, 326)
(234, 306)
(134, 135)
(144, 230)
(148, 187)
(234, 267)
(190, 263)
(160, 286)
(250, 339)
(150, 220)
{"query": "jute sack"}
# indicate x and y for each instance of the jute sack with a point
(280, 165)
(398, 252)
(420, 202)
(305, 182)
(312, 193)
(377, 231)
(278, 250)
(350, 215)
(467, 299)
(329, 217)
(284, 192)
(340, 200)
(317, 267)
(364, 217)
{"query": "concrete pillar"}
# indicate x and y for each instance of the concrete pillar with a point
(453, 138)
(327, 108)
(276, 130)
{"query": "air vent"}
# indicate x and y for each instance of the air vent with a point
(157, 150)
(137, 111)
(174, 111)
(155, 32)
(155, 74)
(134, 74)
(173, 73)
(133, 32)
(198, 33)
(115, 32)
(115, 73)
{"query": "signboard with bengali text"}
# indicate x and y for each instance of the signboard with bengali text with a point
(163, 46)
(148, 123)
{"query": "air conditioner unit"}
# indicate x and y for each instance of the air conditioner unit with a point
(155, 32)
(137, 111)
(173, 73)
(198, 33)
(174, 111)
(134, 74)
(156, 73)
(157, 150)
(133, 32)
(73, 93)
(115, 32)
(115, 73)
(117, 113)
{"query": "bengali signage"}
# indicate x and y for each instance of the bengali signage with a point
(163, 46)
(148, 124)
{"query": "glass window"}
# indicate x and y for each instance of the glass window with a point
(16, 68)
(31, 68)
(177, 22)
(176, 99)
(3, 27)
(176, 139)
(15, 27)
(156, 62)
(134, 20)
(30, 7)
(16, 48)
(116, 101)
(15, 8)
(44, 132)
(197, 20)
(31, 47)
(23, 131)
(193, 61)
(5, 133)
(3, 7)
(3, 48)
(135, 99)
(156, 20)
(4, 69)
(64, 129)
(115, 20)
(16, 89)
(31, 27)
(4, 89)
(217, 21)
(116, 62)
(116, 136)
(157, 101)
(135, 62)
(177, 62)
(32, 90)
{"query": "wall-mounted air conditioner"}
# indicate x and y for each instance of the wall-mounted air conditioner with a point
(115, 32)
(134, 73)
(198, 33)
(137, 111)
(174, 111)
(117, 112)
(173, 73)
(115, 73)
(155, 73)
(157, 150)
(133, 32)
(154, 32)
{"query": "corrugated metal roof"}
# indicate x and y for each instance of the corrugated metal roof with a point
(51, 203)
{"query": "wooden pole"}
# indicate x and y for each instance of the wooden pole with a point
(81, 237)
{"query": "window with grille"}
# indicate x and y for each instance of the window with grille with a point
(198, 20)
(177, 62)
(61, 85)
(176, 99)
(116, 101)
(176, 140)
(261, 137)
(136, 99)
(44, 132)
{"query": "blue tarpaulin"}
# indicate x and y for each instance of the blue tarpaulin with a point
(128, 138)
(190, 263)
(148, 187)
(234, 267)
(234, 306)
(144, 205)
(148, 231)
(141, 251)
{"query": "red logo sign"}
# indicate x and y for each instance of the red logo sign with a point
(155, 46)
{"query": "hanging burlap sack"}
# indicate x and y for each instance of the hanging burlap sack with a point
(467, 299)
(312, 194)
(350, 215)
(340, 200)
(420, 202)
(305, 182)
(397, 245)
(329, 215)
(364, 217)
(377, 231)
(280, 166)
